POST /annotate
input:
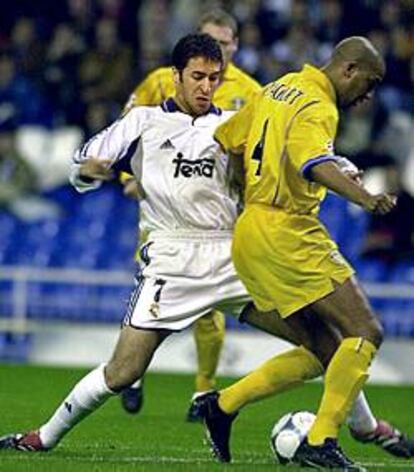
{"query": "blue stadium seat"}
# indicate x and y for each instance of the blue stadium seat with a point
(397, 317)
(6, 299)
(403, 272)
(113, 303)
(353, 232)
(371, 270)
(15, 347)
(332, 214)
(346, 223)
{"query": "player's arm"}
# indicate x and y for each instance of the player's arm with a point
(148, 92)
(232, 136)
(330, 175)
(106, 153)
(132, 188)
(310, 147)
(236, 174)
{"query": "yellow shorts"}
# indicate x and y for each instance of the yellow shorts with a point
(286, 261)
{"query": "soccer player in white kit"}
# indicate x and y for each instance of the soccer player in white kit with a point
(188, 211)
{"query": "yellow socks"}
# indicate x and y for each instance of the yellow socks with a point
(209, 337)
(282, 372)
(345, 376)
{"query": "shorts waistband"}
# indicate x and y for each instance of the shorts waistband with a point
(191, 235)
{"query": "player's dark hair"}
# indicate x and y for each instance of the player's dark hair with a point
(219, 17)
(195, 45)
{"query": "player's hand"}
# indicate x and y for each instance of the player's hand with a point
(133, 189)
(96, 169)
(380, 204)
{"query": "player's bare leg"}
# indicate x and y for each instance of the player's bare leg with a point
(131, 357)
(209, 338)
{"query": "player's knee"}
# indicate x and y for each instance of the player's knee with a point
(375, 333)
(118, 377)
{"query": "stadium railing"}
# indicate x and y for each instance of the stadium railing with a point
(32, 296)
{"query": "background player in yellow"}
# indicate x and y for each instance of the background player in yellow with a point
(235, 89)
(284, 255)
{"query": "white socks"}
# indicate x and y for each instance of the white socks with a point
(136, 384)
(361, 419)
(87, 395)
(91, 392)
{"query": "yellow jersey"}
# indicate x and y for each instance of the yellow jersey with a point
(283, 132)
(281, 252)
(236, 89)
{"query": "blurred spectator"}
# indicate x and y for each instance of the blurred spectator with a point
(248, 55)
(20, 99)
(391, 237)
(299, 46)
(269, 68)
(331, 26)
(361, 136)
(396, 90)
(183, 15)
(60, 74)
(245, 11)
(153, 27)
(106, 70)
(16, 176)
(389, 14)
(18, 183)
(99, 114)
(82, 14)
(27, 49)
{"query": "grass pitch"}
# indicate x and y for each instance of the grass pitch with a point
(158, 439)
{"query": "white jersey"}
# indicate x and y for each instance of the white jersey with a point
(182, 169)
(188, 213)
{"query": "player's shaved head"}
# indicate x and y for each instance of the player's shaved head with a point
(354, 70)
(361, 51)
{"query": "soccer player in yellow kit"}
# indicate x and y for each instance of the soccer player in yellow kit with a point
(284, 255)
(236, 88)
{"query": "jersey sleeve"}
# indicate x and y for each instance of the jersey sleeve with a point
(232, 134)
(311, 137)
(117, 144)
(151, 91)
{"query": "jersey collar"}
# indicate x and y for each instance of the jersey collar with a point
(170, 106)
(321, 80)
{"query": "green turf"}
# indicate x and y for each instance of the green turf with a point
(159, 439)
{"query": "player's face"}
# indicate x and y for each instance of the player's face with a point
(360, 86)
(224, 36)
(196, 85)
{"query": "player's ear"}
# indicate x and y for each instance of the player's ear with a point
(350, 68)
(176, 75)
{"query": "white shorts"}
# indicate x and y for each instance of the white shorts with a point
(183, 276)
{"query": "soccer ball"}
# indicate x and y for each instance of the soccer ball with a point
(288, 434)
